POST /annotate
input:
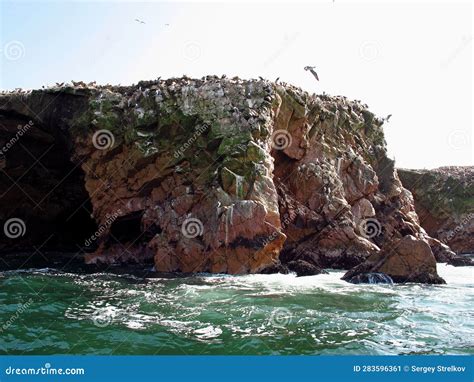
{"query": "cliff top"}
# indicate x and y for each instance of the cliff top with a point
(214, 100)
(461, 173)
(81, 86)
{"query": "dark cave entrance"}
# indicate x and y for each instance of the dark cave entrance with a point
(41, 187)
(127, 228)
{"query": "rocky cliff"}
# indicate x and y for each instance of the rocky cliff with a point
(204, 175)
(444, 202)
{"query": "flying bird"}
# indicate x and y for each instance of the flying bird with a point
(311, 69)
(139, 21)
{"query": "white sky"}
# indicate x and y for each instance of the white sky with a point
(411, 60)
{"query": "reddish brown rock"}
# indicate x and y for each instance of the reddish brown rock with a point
(405, 260)
(219, 175)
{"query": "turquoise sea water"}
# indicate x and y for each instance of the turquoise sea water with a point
(50, 312)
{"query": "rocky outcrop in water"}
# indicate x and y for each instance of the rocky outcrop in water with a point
(407, 260)
(206, 175)
(444, 202)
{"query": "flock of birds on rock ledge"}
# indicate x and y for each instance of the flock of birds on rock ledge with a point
(93, 84)
(169, 81)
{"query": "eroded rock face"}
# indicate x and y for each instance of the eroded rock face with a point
(340, 196)
(226, 175)
(444, 202)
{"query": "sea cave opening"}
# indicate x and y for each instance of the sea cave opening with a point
(45, 209)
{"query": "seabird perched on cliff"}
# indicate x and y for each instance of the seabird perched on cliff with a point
(311, 69)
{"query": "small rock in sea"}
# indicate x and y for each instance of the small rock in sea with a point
(461, 261)
(304, 268)
(371, 278)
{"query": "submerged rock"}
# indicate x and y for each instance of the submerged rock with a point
(461, 261)
(277, 267)
(371, 278)
(204, 175)
(303, 268)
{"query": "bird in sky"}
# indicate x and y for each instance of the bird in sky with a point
(311, 69)
(139, 21)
